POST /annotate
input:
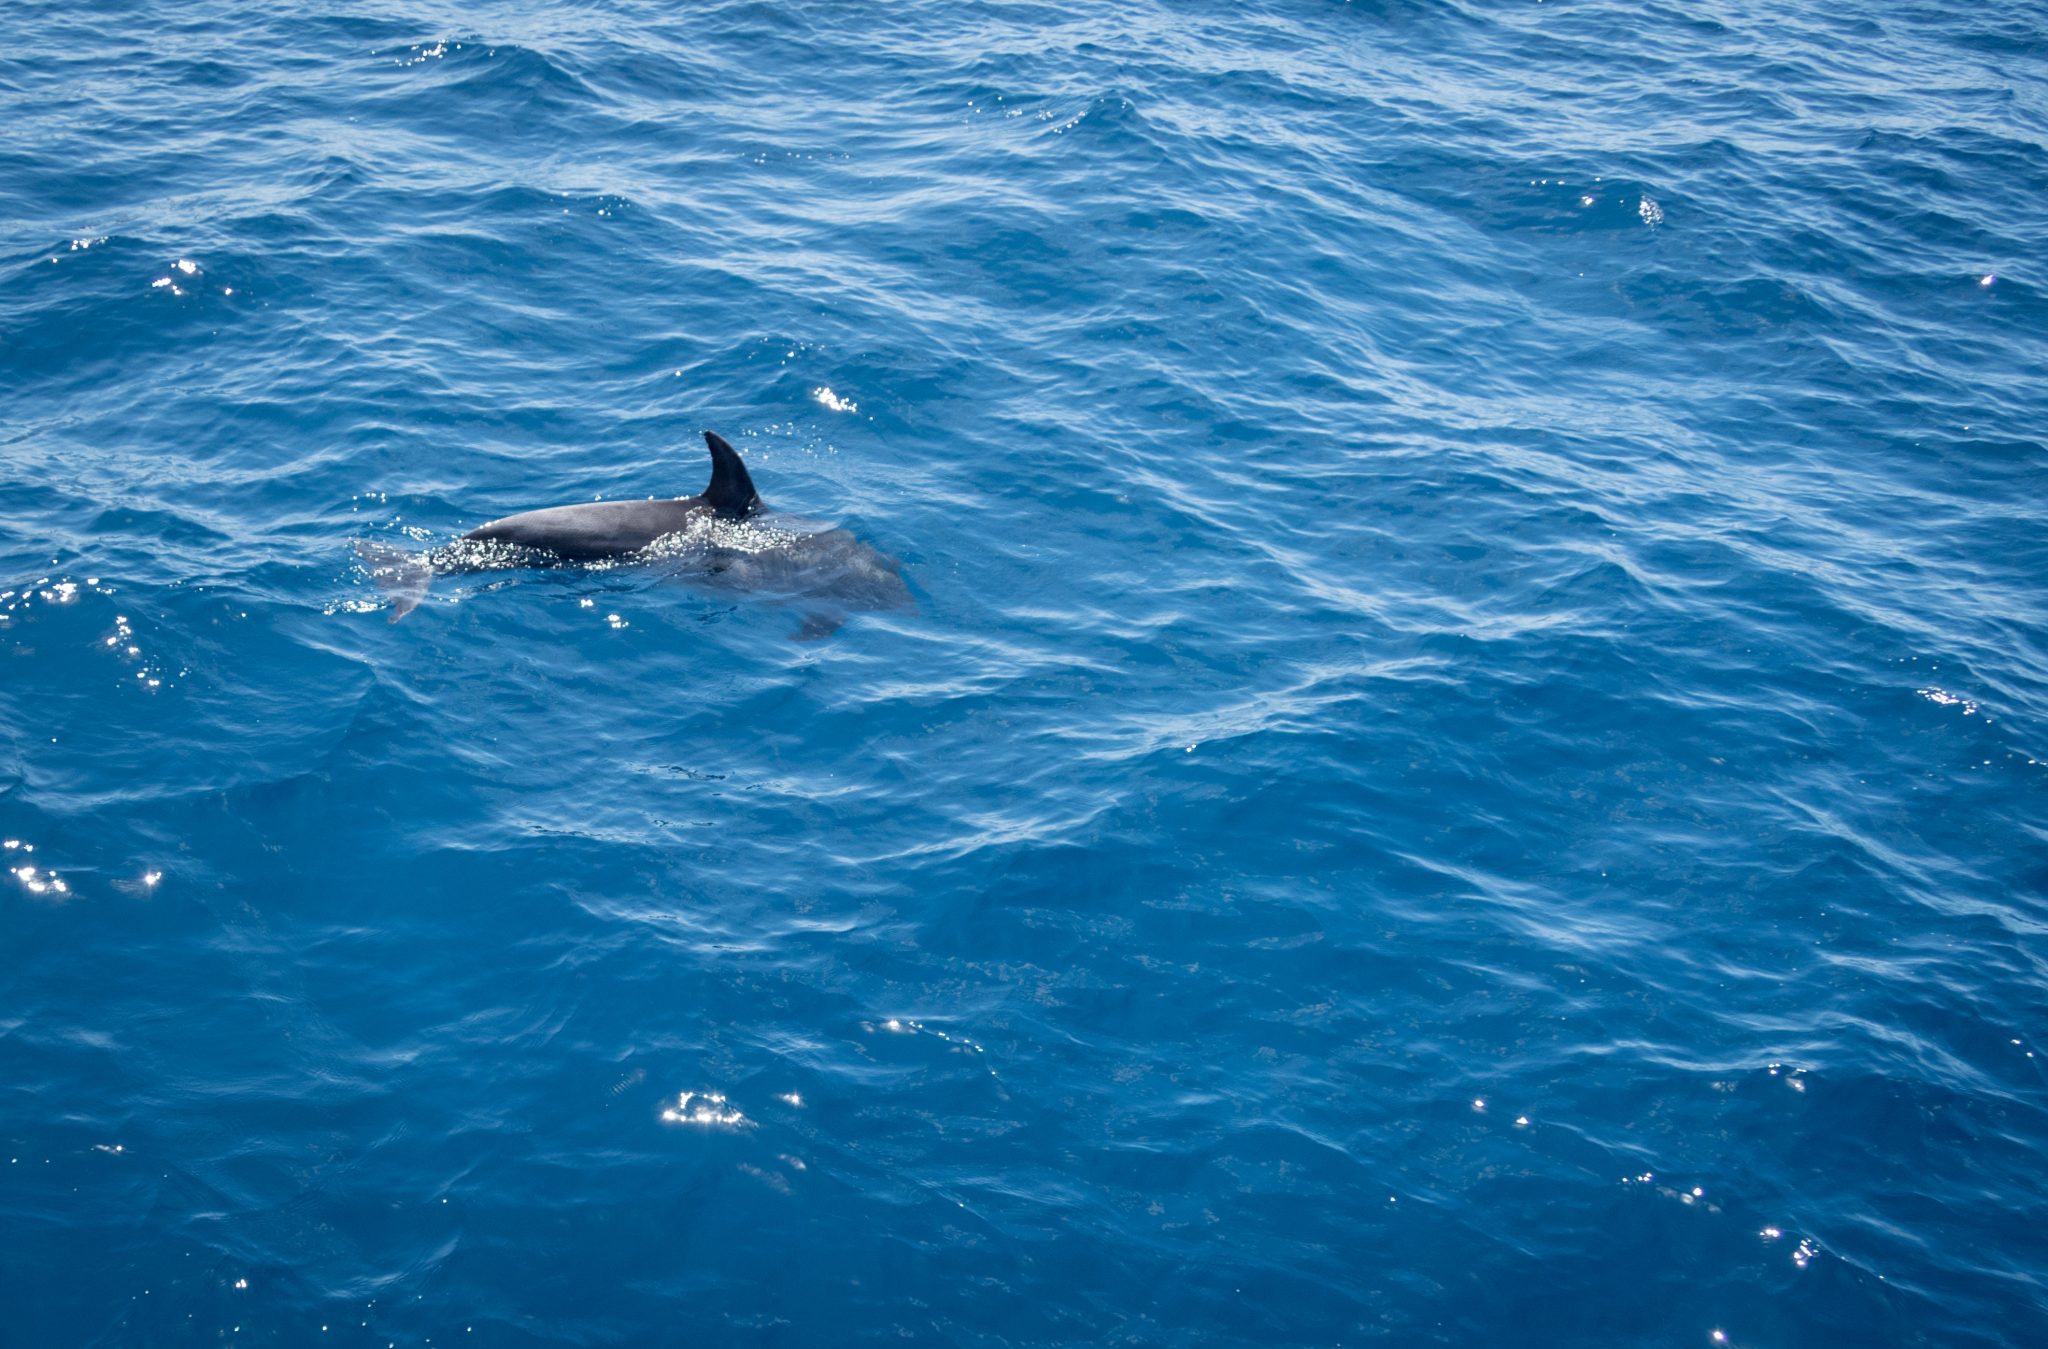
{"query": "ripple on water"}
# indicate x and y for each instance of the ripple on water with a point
(1466, 764)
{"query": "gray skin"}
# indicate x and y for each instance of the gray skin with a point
(595, 530)
(721, 537)
(602, 529)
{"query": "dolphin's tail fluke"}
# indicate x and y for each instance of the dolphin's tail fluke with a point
(403, 576)
(818, 625)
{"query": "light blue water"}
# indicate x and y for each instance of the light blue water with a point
(1467, 769)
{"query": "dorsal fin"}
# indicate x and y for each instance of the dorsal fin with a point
(731, 493)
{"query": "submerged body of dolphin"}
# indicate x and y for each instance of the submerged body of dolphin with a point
(723, 536)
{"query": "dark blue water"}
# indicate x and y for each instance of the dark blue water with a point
(1467, 768)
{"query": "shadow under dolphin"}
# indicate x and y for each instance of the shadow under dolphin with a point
(723, 538)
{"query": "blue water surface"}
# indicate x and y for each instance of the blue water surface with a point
(1467, 768)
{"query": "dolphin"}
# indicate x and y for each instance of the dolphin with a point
(723, 537)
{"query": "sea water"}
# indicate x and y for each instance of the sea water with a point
(1467, 768)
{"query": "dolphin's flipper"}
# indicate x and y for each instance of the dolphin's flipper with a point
(403, 576)
(818, 625)
(731, 493)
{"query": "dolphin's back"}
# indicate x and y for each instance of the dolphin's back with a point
(594, 530)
